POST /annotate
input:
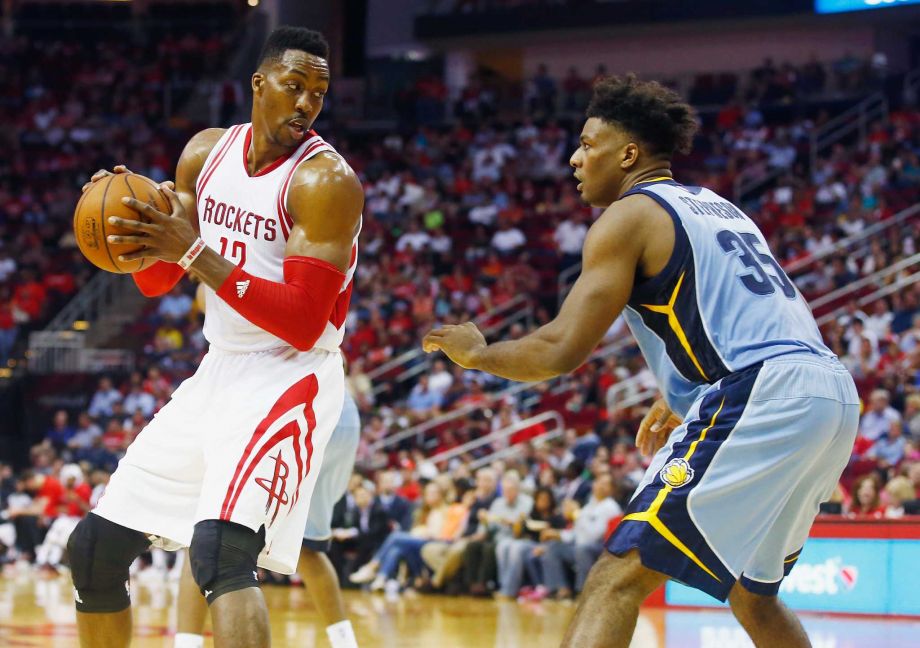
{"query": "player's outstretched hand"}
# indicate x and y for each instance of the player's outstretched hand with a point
(461, 343)
(656, 427)
(166, 236)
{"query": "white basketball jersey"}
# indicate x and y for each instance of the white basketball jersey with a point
(245, 219)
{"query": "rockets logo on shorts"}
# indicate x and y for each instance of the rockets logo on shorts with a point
(676, 473)
(276, 487)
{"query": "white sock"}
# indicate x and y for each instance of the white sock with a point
(341, 635)
(188, 640)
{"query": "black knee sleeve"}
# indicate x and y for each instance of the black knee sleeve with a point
(100, 554)
(223, 557)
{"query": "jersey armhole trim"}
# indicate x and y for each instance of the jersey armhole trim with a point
(682, 249)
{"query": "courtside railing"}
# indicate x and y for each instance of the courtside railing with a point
(500, 437)
(415, 361)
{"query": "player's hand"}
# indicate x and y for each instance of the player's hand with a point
(656, 427)
(102, 173)
(461, 343)
(166, 237)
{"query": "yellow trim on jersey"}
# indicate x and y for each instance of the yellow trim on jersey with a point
(793, 557)
(658, 179)
(651, 515)
(674, 323)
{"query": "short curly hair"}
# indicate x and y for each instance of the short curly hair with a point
(656, 115)
(296, 38)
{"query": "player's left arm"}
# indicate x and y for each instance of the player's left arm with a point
(612, 250)
(325, 203)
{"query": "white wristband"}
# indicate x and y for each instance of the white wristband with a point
(189, 257)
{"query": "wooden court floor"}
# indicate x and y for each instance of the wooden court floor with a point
(39, 612)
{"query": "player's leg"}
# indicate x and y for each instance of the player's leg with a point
(193, 610)
(265, 450)
(754, 598)
(100, 554)
(766, 619)
(223, 558)
(315, 568)
(609, 605)
(152, 493)
(322, 583)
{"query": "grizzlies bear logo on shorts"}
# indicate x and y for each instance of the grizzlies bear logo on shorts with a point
(677, 473)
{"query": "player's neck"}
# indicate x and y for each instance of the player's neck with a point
(263, 152)
(645, 175)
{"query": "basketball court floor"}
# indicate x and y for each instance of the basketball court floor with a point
(39, 612)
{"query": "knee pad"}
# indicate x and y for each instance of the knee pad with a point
(100, 554)
(223, 557)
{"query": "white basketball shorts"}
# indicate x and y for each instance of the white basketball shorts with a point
(242, 440)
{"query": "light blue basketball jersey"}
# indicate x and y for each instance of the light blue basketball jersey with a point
(721, 304)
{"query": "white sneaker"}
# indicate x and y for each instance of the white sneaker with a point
(364, 575)
(391, 589)
(378, 584)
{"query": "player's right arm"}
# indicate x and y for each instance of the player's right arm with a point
(161, 277)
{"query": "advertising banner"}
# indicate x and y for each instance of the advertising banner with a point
(861, 576)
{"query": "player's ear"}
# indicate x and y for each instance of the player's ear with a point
(258, 81)
(630, 155)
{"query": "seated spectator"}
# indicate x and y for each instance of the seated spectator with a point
(359, 527)
(424, 401)
(888, 449)
(579, 547)
(879, 417)
(446, 558)
(103, 399)
(396, 508)
(32, 517)
(515, 555)
(866, 501)
(507, 239)
(405, 547)
(496, 524)
(139, 400)
(898, 491)
(175, 305)
(61, 432)
(85, 433)
(72, 507)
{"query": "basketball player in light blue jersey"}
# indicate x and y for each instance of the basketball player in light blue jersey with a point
(314, 566)
(758, 416)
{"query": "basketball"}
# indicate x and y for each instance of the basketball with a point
(97, 204)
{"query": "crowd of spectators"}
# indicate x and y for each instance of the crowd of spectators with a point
(458, 221)
(65, 110)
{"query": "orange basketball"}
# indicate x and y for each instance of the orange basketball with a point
(91, 225)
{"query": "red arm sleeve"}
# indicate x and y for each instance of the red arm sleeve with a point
(297, 310)
(158, 279)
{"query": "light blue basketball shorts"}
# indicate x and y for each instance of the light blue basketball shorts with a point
(338, 464)
(733, 494)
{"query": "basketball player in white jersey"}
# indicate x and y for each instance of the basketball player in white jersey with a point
(758, 416)
(267, 216)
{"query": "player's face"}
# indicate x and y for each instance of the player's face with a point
(288, 96)
(598, 162)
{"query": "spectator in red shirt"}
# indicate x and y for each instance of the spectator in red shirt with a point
(866, 500)
(73, 504)
(29, 296)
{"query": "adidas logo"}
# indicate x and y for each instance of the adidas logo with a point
(241, 288)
